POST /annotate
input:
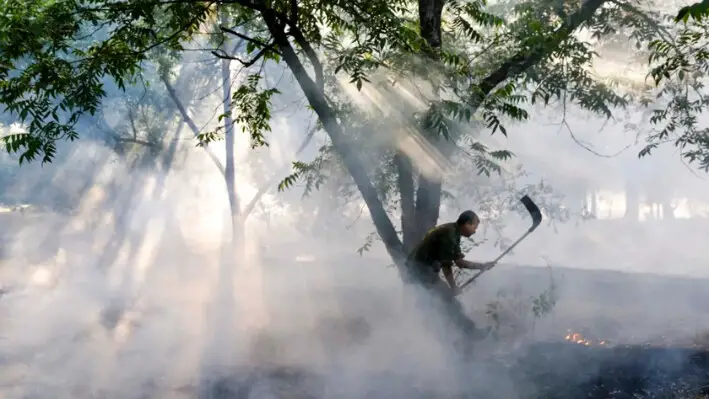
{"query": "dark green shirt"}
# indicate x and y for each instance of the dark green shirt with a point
(441, 244)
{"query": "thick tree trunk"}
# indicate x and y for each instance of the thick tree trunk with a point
(420, 208)
(405, 182)
(430, 12)
(422, 214)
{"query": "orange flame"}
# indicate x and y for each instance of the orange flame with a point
(578, 338)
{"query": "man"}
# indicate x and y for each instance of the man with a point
(439, 251)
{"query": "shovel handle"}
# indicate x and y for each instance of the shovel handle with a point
(502, 255)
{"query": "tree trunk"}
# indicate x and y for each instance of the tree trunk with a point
(668, 211)
(430, 12)
(229, 168)
(420, 208)
(249, 207)
(405, 182)
(220, 348)
(632, 201)
(428, 192)
(594, 204)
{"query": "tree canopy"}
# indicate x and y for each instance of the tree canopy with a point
(696, 11)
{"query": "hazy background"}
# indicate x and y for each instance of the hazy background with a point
(111, 264)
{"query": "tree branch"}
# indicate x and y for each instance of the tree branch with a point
(280, 20)
(136, 141)
(219, 53)
(310, 53)
(268, 185)
(265, 47)
(189, 121)
(247, 38)
(526, 59)
(661, 30)
(132, 123)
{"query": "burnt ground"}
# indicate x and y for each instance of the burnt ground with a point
(622, 308)
(627, 308)
(664, 313)
(543, 371)
(655, 326)
(576, 371)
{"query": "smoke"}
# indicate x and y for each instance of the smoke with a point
(123, 295)
(122, 284)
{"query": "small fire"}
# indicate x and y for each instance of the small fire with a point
(578, 338)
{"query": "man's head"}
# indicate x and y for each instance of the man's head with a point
(468, 222)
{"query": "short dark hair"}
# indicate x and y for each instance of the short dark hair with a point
(467, 217)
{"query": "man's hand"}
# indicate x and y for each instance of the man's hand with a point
(466, 264)
(487, 265)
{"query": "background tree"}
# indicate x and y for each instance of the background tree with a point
(679, 67)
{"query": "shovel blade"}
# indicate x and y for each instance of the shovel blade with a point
(533, 210)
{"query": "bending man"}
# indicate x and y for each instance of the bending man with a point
(439, 251)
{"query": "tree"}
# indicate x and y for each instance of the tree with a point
(696, 11)
(419, 196)
(679, 68)
(482, 67)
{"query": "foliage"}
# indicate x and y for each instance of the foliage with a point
(51, 76)
(511, 310)
(696, 11)
(356, 38)
(680, 63)
(544, 303)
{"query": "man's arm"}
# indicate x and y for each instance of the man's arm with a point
(448, 274)
(466, 264)
(458, 258)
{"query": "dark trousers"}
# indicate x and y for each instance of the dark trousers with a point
(440, 295)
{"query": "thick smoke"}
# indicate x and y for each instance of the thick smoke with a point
(124, 284)
(124, 296)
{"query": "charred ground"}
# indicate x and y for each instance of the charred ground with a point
(652, 329)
